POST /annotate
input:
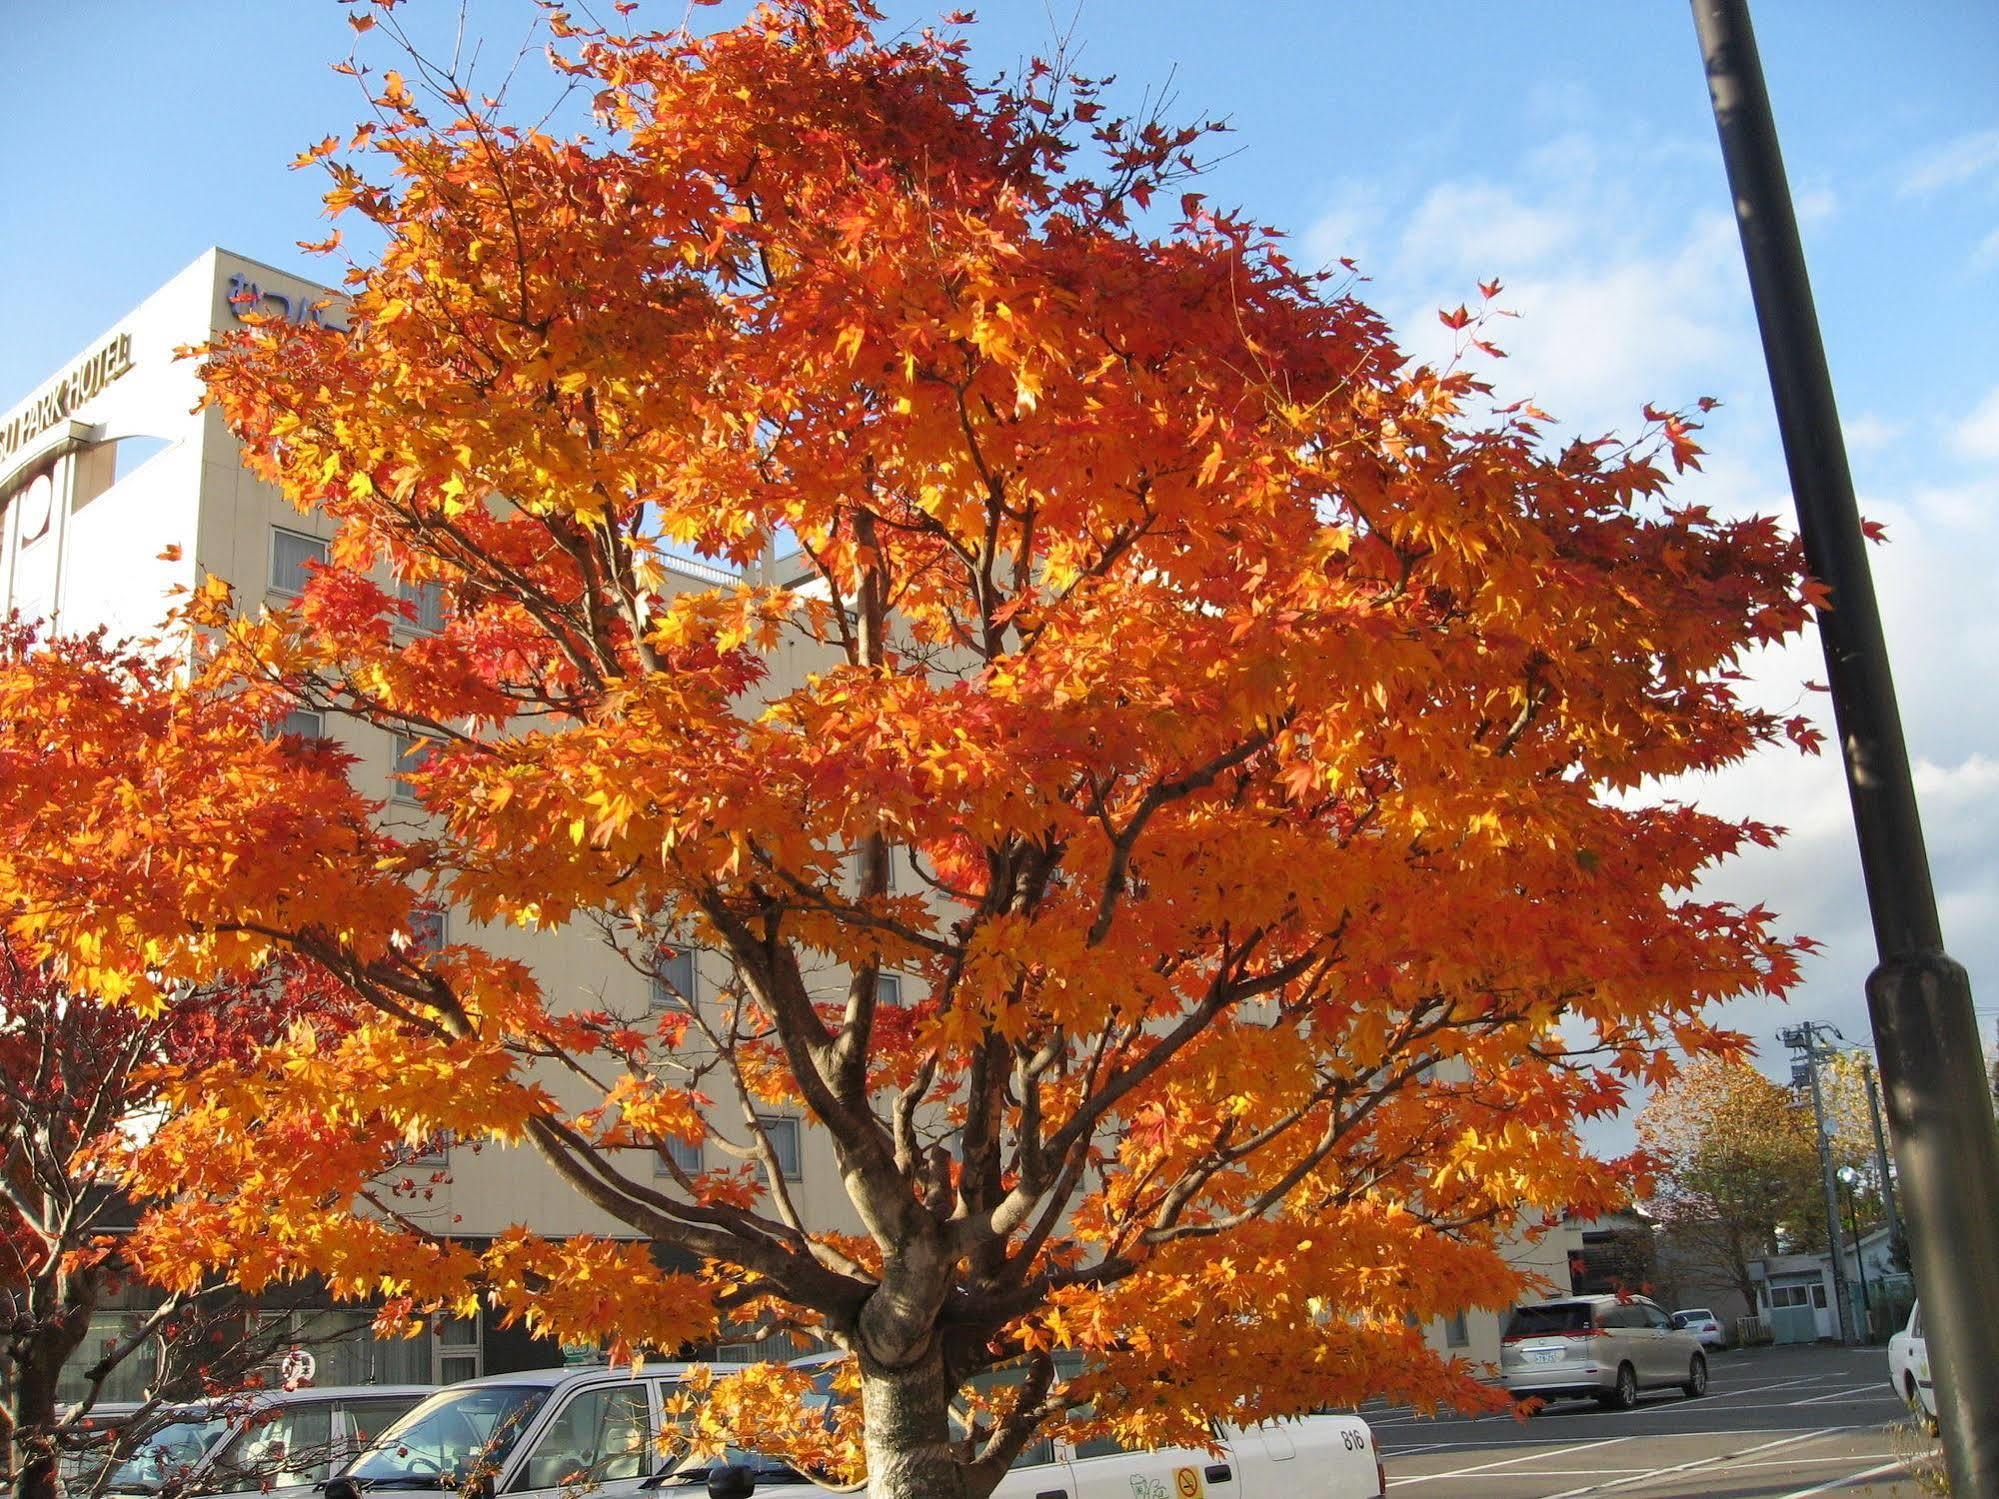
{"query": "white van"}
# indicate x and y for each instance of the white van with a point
(275, 1444)
(1314, 1457)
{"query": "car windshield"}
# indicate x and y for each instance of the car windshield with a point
(449, 1437)
(1698, 1314)
(168, 1454)
(1553, 1317)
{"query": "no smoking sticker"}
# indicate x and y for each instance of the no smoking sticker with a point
(1187, 1483)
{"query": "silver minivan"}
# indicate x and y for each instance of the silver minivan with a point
(1607, 1348)
(275, 1443)
(541, 1431)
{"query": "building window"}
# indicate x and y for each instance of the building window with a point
(783, 1135)
(412, 754)
(686, 1154)
(426, 604)
(1456, 1333)
(292, 558)
(674, 978)
(434, 1151)
(426, 931)
(304, 723)
(888, 988)
(457, 1349)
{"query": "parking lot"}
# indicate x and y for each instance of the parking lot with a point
(1777, 1423)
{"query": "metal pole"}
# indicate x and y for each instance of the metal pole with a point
(1859, 1260)
(1919, 999)
(1895, 1239)
(1806, 1035)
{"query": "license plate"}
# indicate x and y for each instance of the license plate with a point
(1544, 1355)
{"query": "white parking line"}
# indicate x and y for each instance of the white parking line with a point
(1483, 1443)
(1886, 1392)
(1406, 1417)
(1702, 1462)
(1505, 1462)
(1839, 1483)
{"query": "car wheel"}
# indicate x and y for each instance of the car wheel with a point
(1696, 1385)
(1923, 1418)
(1624, 1396)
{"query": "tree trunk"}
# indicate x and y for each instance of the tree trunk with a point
(35, 1356)
(907, 1414)
(32, 1407)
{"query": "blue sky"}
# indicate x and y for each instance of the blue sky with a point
(1564, 147)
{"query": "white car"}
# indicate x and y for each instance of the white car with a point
(1701, 1322)
(1909, 1369)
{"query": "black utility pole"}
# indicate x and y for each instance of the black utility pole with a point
(1896, 1239)
(1939, 1101)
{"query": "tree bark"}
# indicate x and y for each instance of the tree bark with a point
(35, 1356)
(32, 1438)
(909, 1446)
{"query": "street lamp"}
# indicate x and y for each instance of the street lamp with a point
(1847, 1177)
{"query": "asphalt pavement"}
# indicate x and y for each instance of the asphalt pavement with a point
(1776, 1423)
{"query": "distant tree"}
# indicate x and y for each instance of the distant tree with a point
(79, 1083)
(1737, 1165)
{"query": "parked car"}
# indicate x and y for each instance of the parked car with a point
(1909, 1369)
(1607, 1348)
(541, 1431)
(1324, 1457)
(1701, 1322)
(276, 1443)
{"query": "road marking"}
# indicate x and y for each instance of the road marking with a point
(1839, 1394)
(1506, 1461)
(1839, 1483)
(1719, 1434)
(1701, 1462)
(1406, 1417)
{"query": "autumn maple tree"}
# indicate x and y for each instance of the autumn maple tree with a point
(1737, 1167)
(1235, 734)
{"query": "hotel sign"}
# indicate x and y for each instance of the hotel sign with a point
(66, 393)
(247, 297)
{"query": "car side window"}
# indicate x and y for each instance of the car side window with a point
(1036, 1454)
(1658, 1318)
(600, 1436)
(293, 1444)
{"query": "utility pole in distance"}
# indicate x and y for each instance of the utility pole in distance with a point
(1804, 1038)
(1895, 1235)
(1918, 998)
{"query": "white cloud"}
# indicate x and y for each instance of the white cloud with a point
(1952, 164)
(1816, 204)
(1868, 432)
(1977, 436)
(1630, 290)
(1345, 229)
(1614, 311)
(1481, 224)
